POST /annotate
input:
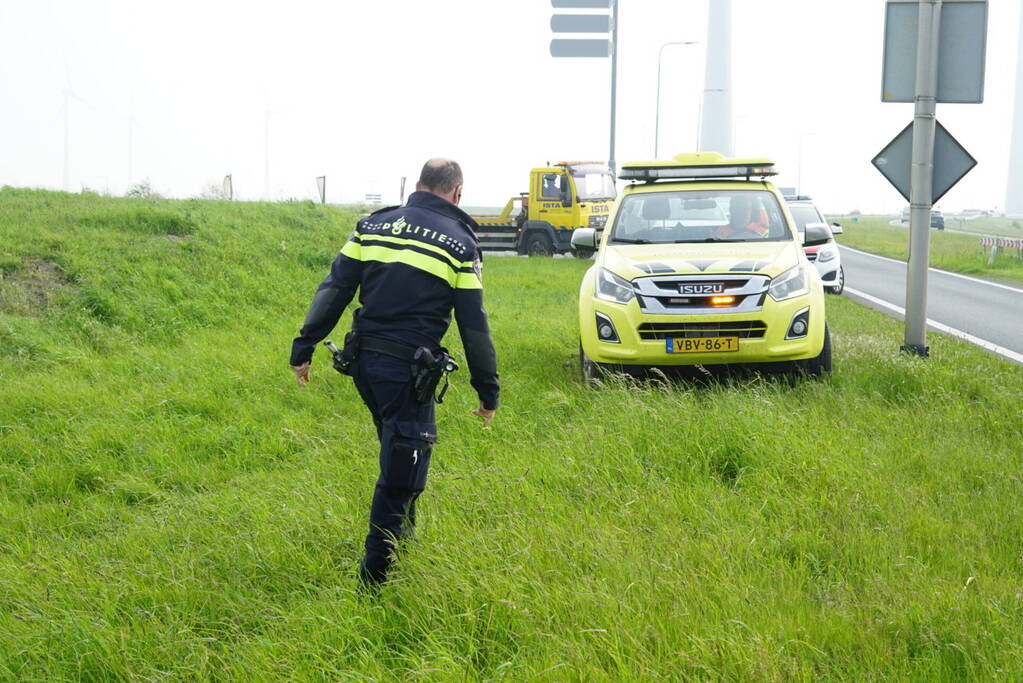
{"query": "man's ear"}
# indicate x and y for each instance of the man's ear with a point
(457, 194)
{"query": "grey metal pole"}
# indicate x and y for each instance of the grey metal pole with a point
(266, 158)
(922, 178)
(614, 85)
(657, 108)
(67, 128)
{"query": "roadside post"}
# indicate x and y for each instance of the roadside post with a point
(321, 185)
(401, 199)
(934, 51)
(228, 187)
(598, 48)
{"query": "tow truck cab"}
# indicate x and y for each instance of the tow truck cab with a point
(561, 198)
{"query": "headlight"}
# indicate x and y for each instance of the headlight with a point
(825, 254)
(791, 283)
(610, 287)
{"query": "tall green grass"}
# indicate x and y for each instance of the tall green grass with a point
(949, 251)
(172, 506)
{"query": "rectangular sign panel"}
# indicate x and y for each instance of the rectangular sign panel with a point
(580, 48)
(961, 51)
(581, 4)
(581, 23)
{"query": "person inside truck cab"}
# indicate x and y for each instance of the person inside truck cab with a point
(551, 186)
(746, 215)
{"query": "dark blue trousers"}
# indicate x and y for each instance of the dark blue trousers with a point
(407, 431)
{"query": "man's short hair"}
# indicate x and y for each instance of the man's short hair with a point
(441, 175)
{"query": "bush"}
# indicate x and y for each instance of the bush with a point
(143, 190)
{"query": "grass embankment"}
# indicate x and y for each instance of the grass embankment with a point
(949, 251)
(172, 506)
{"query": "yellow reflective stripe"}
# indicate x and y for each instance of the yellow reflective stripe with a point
(352, 250)
(423, 262)
(417, 243)
(468, 281)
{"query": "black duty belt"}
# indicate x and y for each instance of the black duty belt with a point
(399, 351)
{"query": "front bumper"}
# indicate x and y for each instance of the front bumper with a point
(761, 334)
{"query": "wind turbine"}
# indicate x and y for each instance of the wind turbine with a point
(69, 94)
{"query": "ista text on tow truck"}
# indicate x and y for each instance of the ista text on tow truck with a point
(701, 264)
(561, 198)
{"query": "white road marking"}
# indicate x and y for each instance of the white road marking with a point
(1008, 354)
(943, 272)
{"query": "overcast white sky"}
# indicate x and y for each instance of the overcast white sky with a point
(363, 92)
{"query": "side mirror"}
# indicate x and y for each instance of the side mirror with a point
(836, 229)
(584, 238)
(566, 198)
(816, 233)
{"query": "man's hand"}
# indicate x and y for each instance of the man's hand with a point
(487, 415)
(301, 373)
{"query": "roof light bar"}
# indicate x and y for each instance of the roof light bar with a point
(699, 165)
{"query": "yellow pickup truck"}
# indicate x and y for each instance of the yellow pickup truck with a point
(561, 198)
(701, 264)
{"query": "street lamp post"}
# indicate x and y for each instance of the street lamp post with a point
(657, 111)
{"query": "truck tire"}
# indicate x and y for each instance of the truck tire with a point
(538, 244)
(583, 253)
(839, 282)
(590, 371)
(820, 364)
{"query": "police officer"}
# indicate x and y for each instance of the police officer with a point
(412, 265)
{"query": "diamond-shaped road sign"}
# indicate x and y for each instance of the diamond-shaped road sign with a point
(951, 162)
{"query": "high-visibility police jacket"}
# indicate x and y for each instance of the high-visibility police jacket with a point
(411, 265)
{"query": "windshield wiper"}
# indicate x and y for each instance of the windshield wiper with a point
(626, 240)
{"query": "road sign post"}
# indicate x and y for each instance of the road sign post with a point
(321, 185)
(952, 71)
(922, 177)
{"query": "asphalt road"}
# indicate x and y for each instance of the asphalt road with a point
(989, 312)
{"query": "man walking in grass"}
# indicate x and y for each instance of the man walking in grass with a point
(412, 265)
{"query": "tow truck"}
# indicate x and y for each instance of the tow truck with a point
(701, 264)
(561, 198)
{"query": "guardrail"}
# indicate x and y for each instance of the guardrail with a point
(997, 243)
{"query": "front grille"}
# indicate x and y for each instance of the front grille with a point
(811, 257)
(662, 294)
(743, 329)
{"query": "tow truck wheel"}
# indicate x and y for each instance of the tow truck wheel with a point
(839, 282)
(539, 244)
(590, 370)
(815, 367)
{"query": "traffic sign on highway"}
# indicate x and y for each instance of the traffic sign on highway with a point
(951, 162)
(581, 4)
(580, 48)
(962, 43)
(581, 23)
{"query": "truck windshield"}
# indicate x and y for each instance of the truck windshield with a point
(804, 214)
(593, 181)
(700, 216)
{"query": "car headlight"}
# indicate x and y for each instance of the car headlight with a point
(791, 283)
(610, 287)
(825, 254)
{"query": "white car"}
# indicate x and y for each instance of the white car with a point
(819, 242)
